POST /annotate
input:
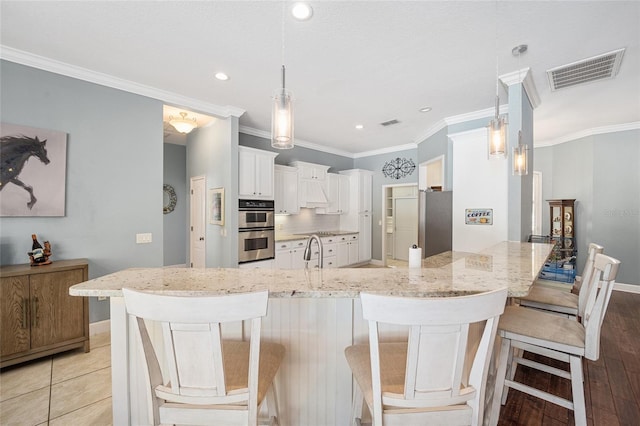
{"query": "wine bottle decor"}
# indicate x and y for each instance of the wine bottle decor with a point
(38, 255)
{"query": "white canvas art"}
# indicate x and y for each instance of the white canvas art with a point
(33, 165)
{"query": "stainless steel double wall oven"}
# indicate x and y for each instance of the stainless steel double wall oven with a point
(256, 235)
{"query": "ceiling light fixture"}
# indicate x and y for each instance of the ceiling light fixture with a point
(359, 126)
(222, 76)
(301, 11)
(425, 109)
(497, 128)
(282, 111)
(183, 124)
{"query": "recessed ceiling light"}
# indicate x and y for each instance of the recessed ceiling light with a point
(359, 126)
(222, 76)
(425, 109)
(301, 11)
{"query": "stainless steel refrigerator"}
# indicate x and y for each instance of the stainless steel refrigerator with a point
(435, 222)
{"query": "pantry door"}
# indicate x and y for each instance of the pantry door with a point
(197, 227)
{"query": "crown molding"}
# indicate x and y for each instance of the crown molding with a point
(588, 132)
(62, 68)
(298, 142)
(523, 76)
(391, 149)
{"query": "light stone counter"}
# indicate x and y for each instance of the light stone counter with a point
(509, 264)
(315, 314)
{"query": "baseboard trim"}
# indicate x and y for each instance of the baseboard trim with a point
(99, 327)
(376, 262)
(629, 288)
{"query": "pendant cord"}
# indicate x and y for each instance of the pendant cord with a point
(497, 67)
(284, 8)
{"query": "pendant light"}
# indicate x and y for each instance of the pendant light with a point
(520, 157)
(497, 128)
(282, 112)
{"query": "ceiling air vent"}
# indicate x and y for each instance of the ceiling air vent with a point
(595, 68)
(389, 123)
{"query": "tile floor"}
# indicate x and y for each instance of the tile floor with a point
(71, 388)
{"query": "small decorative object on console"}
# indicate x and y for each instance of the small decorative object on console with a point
(38, 255)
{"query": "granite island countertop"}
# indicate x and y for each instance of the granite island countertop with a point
(513, 265)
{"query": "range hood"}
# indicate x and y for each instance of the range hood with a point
(313, 194)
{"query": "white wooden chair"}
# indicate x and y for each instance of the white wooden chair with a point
(562, 339)
(429, 379)
(563, 302)
(210, 381)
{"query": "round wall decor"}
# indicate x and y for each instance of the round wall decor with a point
(170, 199)
(398, 168)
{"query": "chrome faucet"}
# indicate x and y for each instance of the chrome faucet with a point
(307, 250)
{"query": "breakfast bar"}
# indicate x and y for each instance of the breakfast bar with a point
(314, 313)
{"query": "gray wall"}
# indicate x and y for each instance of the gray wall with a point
(212, 151)
(375, 164)
(298, 153)
(114, 172)
(601, 172)
(175, 223)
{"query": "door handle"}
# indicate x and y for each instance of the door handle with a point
(24, 313)
(201, 238)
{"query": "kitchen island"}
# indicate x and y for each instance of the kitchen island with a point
(314, 313)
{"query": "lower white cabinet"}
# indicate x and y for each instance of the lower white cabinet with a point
(337, 251)
(347, 251)
(364, 227)
(290, 254)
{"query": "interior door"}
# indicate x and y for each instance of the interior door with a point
(197, 241)
(406, 226)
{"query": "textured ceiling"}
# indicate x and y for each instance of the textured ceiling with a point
(352, 63)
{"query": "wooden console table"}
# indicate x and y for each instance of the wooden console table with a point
(38, 317)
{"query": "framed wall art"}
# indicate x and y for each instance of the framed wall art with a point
(216, 206)
(33, 167)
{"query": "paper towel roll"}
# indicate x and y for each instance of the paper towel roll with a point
(415, 257)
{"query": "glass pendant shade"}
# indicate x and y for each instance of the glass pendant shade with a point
(183, 124)
(520, 160)
(497, 137)
(282, 118)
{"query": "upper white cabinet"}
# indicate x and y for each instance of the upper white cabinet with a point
(338, 190)
(286, 190)
(311, 184)
(361, 183)
(255, 170)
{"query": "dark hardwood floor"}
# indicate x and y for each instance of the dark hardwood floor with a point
(612, 383)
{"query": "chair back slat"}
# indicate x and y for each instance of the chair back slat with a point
(586, 276)
(437, 346)
(601, 282)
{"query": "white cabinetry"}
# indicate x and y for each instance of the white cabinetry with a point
(347, 250)
(255, 173)
(360, 215)
(364, 227)
(329, 252)
(311, 184)
(263, 264)
(290, 254)
(286, 190)
(338, 190)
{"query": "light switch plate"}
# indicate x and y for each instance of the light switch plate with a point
(144, 238)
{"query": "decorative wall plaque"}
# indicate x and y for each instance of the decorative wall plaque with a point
(398, 168)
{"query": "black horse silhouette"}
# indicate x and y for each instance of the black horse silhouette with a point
(15, 151)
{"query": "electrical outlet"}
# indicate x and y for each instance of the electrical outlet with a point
(144, 238)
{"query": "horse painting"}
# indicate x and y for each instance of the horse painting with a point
(15, 151)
